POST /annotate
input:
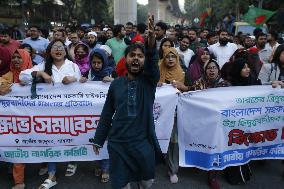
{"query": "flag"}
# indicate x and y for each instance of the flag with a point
(205, 17)
(257, 17)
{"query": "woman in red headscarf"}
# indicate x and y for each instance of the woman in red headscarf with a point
(20, 61)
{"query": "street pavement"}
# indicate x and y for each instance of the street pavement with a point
(266, 175)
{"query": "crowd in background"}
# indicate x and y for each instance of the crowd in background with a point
(189, 58)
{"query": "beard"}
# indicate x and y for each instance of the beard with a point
(159, 37)
(247, 46)
(34, 38)
(135, 74)
(92, 45)
(261, 45)
(223, 41)
(192, 39)
(183, 48)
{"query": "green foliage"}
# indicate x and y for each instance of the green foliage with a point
(44, 11)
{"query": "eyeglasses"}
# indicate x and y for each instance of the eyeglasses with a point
(58, 47)
(171, 57)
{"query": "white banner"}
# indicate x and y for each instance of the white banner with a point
(230, 126)
(57, 125)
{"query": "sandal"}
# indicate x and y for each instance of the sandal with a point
(105, 177)
(71, 170)
(47, 184)
(98, 172)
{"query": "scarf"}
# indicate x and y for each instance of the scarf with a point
(195, 70)
(173, 73)
(106, 69)
(26, 64)
(83, 63)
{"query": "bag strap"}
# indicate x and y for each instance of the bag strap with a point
(241, 173)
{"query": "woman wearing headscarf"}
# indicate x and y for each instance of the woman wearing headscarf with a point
(5, 60)
(165, 44)
(170, 71)
(195, 69)
(211, 78)
(241, 74)
(99, 68)
(29, 49)
(81, 52)
(100, 71)
(20, 61)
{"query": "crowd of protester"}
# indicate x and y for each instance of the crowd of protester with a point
(189, 58)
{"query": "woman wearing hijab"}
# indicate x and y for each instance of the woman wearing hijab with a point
(241, 74)
(20, 61)
(195, 69)
(81, 52)
(100, 70)
(170, 71)
(211, 78)
(5, 60)
(30, 50)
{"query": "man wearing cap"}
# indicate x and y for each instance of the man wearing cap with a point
(92, 40)
(109, 33)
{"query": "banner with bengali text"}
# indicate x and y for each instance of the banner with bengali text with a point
(228, 126)
(56, 126)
